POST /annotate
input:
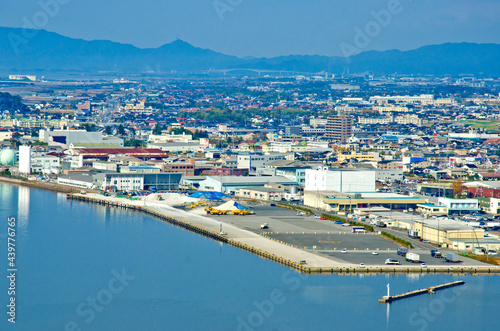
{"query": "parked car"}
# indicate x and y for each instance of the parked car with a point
(491, 252)
(322, 218)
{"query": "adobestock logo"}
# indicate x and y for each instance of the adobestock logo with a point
(372, 29)
(89, 309)
(48, 9)
(264, 309)
(224, 6)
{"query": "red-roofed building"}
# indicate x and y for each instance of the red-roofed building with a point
(489, 175)
(140, 153)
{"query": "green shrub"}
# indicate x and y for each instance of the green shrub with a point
(396, 239)
(336, 218)
(296, 208)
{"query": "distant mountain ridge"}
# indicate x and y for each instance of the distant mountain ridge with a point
(42, 50)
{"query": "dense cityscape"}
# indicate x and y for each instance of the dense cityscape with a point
(249, 165)
(359, 146)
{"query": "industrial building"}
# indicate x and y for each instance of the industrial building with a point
(347, 202)
(432, 210)
(70, 138)
(261, 193)
(114, 181)
(460, 206)
(444, 231)
(340, 180)
(254, 161)
(229, 184)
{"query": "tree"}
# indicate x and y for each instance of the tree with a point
(134, 143)
(121, 130)
(200, 134)
(457, 188)
(108, 130)
(158, 129)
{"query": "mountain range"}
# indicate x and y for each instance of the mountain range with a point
(25, 49)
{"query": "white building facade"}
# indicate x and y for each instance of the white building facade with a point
(341, 180)
(25, 159)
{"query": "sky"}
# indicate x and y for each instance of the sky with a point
(265, 28)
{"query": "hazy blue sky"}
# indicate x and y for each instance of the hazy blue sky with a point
(265, 27)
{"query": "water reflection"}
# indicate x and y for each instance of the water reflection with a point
(23, 207)
(6, 192)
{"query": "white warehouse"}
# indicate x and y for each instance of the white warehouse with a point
(341, 180)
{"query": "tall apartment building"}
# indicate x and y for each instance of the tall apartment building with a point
(339, 127)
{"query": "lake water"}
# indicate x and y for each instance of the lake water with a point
(89, 267)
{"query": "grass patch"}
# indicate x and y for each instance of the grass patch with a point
(489, 125)
(293, 207)
(396, 239)
(481, 258)
(336, 218)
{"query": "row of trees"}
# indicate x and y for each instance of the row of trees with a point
(241, 115)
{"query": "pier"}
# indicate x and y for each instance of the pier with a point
(429, 290)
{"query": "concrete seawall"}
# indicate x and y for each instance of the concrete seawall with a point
(271, 250)
(39, 185)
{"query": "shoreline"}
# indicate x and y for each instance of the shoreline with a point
(256, 244)
(40, 185)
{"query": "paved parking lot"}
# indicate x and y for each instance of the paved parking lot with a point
(329, 238)
(336, 241)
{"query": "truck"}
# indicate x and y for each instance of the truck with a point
(293, 197)
(436, 253)
(451, 257)
(402, 251)
(413, 234)
(412, 257)
(391, 261)
(479, 250)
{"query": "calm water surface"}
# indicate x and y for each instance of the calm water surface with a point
(89, 267)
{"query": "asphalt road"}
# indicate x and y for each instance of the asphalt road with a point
(369, 259)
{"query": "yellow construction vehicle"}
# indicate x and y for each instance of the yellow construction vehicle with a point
(213, 211)
(199, 203)
(159, 197)
(240, 212)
